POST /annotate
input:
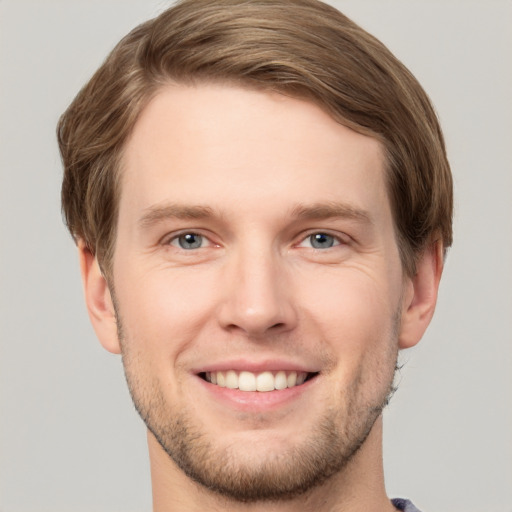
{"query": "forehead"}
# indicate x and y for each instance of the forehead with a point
(236, 148)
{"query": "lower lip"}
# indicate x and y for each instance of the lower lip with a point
(257, 401)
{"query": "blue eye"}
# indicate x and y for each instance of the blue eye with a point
(189, 241)
(322, 241)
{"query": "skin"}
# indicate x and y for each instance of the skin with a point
(255, 174)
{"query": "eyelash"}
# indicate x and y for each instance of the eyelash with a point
(337, 240)
(176, 239)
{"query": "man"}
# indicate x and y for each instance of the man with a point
(261, 199)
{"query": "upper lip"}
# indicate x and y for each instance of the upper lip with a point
(248, 365)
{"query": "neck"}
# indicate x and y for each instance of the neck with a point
(359, 487)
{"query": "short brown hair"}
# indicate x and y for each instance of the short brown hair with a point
(302, 48)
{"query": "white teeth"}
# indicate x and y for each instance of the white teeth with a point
(280, 381)
(264, 381)
(292, 379)
(247, 381)
(221, 380)
(231, 380)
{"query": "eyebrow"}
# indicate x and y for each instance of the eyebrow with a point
(318, 211)
(328, 210)
(159, 213)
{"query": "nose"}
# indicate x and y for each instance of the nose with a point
(258, 297)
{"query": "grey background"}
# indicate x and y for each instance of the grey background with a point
(70, 439)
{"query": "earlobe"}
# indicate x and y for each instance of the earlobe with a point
(420, 296)
(98, 300)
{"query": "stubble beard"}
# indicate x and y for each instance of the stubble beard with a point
(325, 452)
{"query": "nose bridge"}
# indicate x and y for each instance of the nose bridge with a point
(256, 298)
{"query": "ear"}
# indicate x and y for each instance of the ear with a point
(98, 300)
(420, 296)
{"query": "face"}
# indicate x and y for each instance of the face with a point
(258, 287)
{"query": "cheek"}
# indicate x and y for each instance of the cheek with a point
(350, 297)
(164, 310)
(354, 313)
(356, 319)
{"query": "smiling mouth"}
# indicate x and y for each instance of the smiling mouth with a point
(263, 382)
